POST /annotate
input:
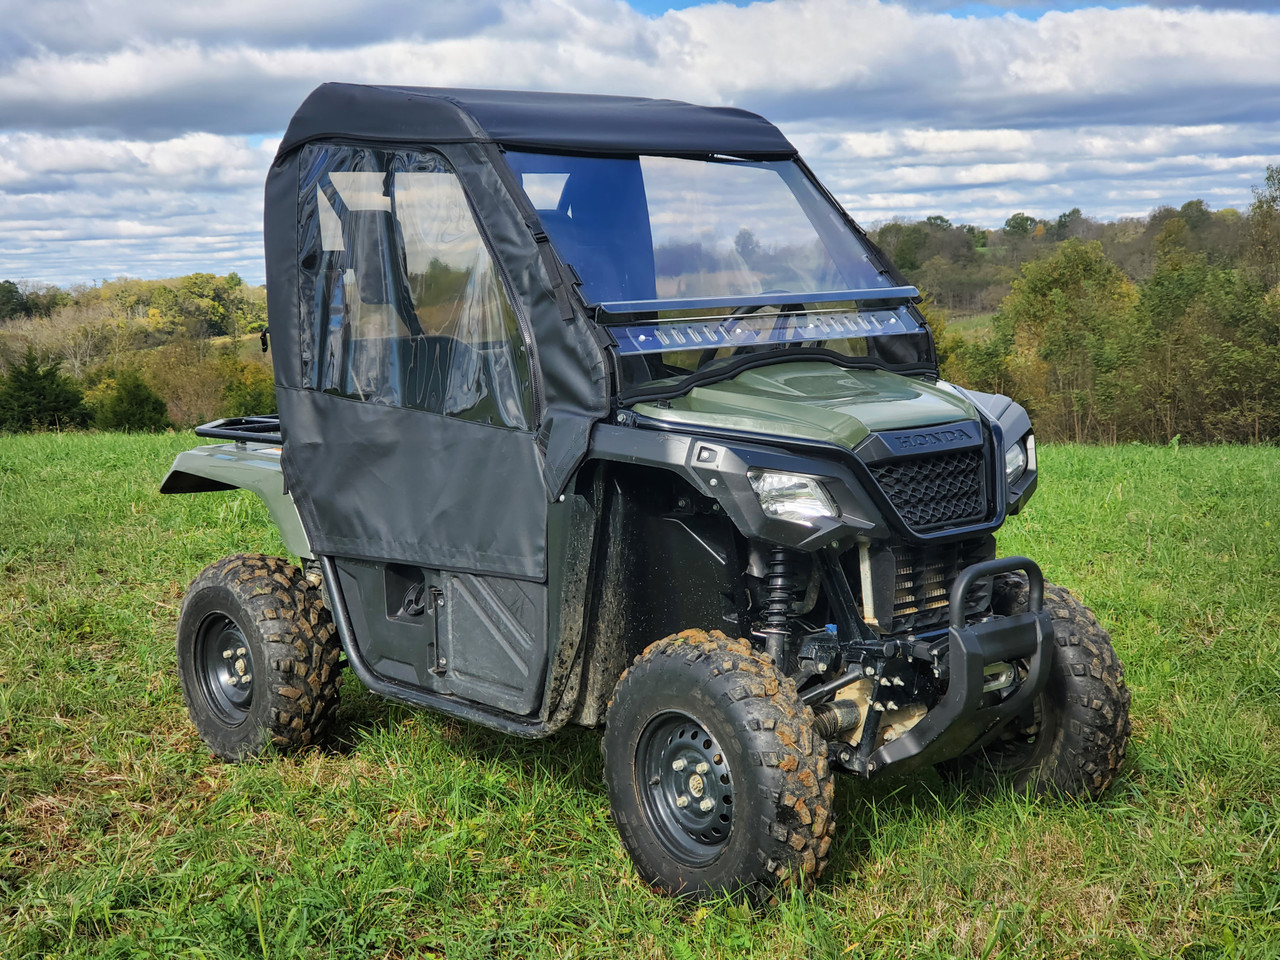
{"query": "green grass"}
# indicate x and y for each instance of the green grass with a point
(972, 326)
(417, 836)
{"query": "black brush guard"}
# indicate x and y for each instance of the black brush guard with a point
(960, 721)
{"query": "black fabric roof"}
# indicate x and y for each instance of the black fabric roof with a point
(571, 122)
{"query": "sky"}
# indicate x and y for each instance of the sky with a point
(135, 135)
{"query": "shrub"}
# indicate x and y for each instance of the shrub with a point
(129, 405)
(251, 389)
(36, 396)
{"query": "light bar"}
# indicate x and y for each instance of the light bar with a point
(715, 333)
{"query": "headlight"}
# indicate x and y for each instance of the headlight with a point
(791, 496)
(1019, 457)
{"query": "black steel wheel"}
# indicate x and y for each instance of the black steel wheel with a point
(1073, 741)
(686, 786)
(224, 668)
(716, 780)
(258, 658)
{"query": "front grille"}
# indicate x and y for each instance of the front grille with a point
(933, 490)
(910, 585)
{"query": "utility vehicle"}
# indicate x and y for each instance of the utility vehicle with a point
(600, 410)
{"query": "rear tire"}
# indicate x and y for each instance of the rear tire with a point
(1075, 743)
(257, 657)
(716, 780)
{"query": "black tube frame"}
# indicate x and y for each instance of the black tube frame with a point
(261, 429)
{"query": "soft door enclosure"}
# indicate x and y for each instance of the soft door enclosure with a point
(410, 433)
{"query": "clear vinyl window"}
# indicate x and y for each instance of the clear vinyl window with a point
(667, 228)
(402, 302)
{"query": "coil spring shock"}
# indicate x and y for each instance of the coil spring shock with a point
(777, 613)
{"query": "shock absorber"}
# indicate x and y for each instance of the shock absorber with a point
(777, 612)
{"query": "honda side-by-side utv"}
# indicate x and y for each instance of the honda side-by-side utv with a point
(601, 410)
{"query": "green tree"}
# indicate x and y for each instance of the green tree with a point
(977, 236)
(904, 244)
(1196, 213)
(1263, 252)
(1209, 368)
(1069, 224)
(1065, 321)
(130, 405)
(1019, 225)
(13, 302)
(35, 396)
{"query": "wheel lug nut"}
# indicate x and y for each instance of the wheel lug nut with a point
(227, 654)
(682, 801)
(702, 768)
(707, 804)
(240, 651)
(678, 765)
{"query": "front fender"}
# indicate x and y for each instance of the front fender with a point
(717, 469)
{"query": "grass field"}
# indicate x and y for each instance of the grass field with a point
(971, 327)
(417, 836)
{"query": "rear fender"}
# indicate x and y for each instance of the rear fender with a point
(242, 466)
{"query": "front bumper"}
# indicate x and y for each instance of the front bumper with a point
(961, 720)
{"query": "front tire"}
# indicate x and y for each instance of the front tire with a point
(1074, 743)
(257, 657)
(716, 780)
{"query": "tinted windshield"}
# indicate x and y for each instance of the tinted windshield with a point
(662, 228)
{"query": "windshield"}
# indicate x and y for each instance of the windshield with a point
(663, 228)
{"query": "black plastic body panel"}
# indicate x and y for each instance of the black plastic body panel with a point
(680, 568)
(864, 509)
(716, 466)
(413, 694)
(483, 638)
(394, 643)
(666, 560)
(899, 444)
(493, 640)
(502, 652)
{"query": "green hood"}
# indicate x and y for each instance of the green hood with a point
(817, 401)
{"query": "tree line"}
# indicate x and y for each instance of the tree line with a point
(132, 354)
(1154, 329)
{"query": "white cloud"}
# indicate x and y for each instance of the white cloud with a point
(77, 207)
